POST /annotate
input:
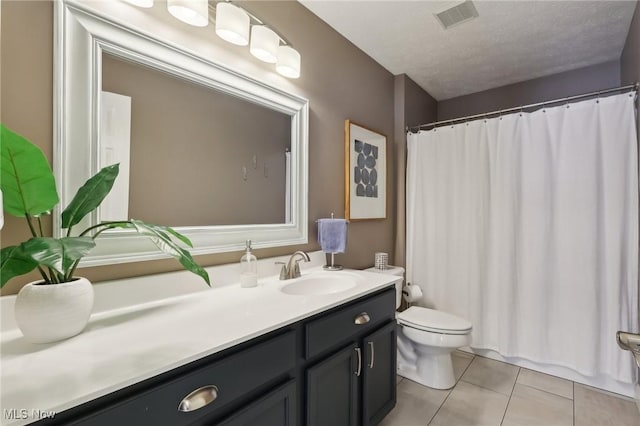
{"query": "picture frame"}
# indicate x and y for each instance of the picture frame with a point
(365, 173)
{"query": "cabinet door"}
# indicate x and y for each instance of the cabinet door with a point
(277, 408)
(379, 374)
(332, 389)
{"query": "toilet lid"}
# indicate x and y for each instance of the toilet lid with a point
(435, 321)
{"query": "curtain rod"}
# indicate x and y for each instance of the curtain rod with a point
(631, 87)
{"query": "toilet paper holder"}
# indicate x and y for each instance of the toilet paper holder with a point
(408, 297)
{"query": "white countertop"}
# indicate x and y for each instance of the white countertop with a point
(129, 344)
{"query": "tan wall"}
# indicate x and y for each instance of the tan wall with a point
(340, 81)
(189, 145)
(569, 83)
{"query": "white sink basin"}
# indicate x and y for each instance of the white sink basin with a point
(321, 283)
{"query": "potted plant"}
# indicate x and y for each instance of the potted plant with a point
(58, 305)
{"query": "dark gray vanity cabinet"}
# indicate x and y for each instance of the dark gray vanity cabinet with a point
(379, 374)
(335, 368)
(253, 384)
(277, 408)
(354, 384)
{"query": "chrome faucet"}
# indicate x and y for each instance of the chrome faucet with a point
(291, 269)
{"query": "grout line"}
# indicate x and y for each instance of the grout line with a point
(516, 381)
(465, 370)
(485, 388)
(544, 391)
(573, 400)
(451, 390)
(510, 396)
(441, 405)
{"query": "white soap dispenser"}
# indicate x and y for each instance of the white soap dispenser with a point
(248, 268)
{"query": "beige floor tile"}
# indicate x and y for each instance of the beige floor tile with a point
(493, 375)
(470, 405)
(597, 408)
(415, 406)
(398, 378)
(461, 361)
(532, 407)
(545, 382)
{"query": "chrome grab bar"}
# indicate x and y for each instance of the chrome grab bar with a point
(629, 342)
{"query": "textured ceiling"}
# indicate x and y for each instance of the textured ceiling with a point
(511, 41)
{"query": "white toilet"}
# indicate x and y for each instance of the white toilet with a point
(426, 338)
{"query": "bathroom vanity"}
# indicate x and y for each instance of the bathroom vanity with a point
(319, 359)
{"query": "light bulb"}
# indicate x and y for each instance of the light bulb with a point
(288, 62)
(232, 24)
(192, 12)
(264, 44)
(141, 3)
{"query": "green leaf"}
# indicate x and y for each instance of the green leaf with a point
(175, 233)
(14, 262)
(27, 183)
(161, 237)
(90, 195)
(58, 254)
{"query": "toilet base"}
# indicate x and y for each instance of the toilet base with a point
(434, 371)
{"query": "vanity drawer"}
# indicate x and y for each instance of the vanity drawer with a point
(348, 322)
(234, 377)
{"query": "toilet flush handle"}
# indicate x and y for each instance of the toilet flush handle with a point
(363, 318)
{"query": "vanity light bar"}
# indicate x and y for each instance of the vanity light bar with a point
(264, 42)
(236, 25)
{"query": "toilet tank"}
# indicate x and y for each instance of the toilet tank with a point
(393, 270)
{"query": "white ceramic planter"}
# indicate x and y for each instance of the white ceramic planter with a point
(50, 312)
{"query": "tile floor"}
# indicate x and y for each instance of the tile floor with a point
(494, 393)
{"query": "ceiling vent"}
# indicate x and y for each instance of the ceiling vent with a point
(457, 14)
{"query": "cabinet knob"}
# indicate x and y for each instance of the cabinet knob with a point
(363, 318)
(199, 398)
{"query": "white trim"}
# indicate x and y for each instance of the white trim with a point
(81, 35)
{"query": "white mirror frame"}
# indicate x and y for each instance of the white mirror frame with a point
(81, 36)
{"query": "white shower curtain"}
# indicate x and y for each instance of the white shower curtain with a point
(527, 225)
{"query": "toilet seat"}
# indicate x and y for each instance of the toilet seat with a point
(434, 321)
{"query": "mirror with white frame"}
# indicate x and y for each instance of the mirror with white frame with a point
(262, 140)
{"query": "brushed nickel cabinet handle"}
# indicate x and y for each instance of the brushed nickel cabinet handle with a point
(359, 352)
(199, 398)
(373, 353)
(363, 318)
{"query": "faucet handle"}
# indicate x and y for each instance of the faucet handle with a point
(296, 269)
(283, 270)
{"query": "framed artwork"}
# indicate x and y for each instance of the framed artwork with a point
(365, 173)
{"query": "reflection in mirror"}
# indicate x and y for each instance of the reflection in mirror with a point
(198, 156)
(186, 166)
